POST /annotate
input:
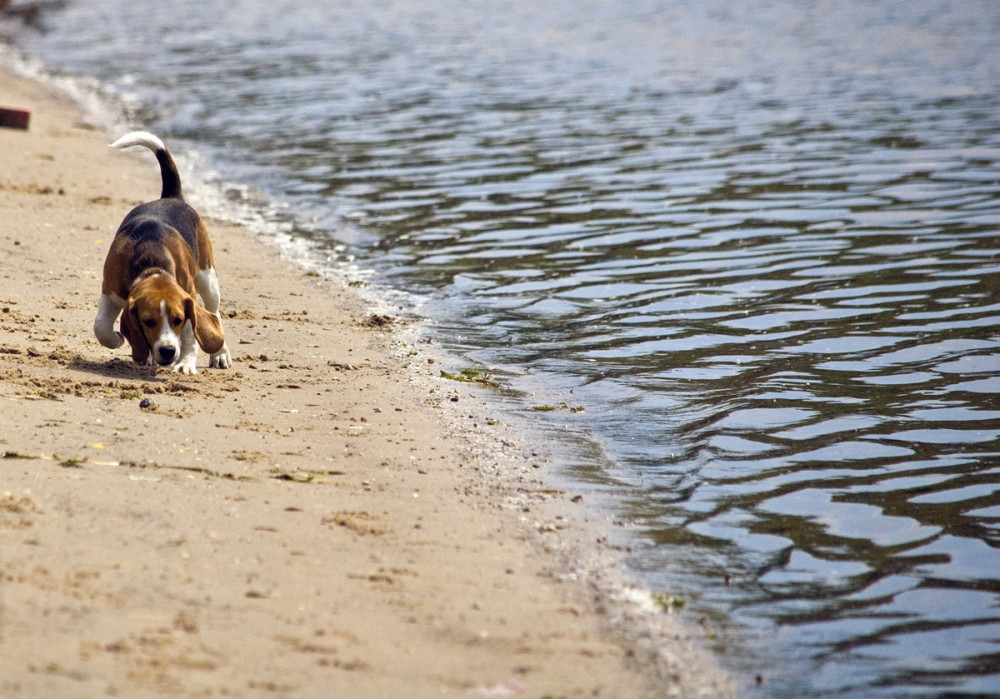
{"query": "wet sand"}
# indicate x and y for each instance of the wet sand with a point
(328, 517)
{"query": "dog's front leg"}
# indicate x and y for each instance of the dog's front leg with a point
(108, 310)
(221, 359)
(188, 358)
(207, 283)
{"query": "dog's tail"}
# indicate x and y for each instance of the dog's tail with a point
(168, 170)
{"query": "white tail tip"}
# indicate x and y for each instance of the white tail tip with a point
(139, 138)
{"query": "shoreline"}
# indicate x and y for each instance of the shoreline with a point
(314, 519)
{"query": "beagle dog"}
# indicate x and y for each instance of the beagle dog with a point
(160, 257)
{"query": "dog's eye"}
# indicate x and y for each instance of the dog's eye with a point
(177, 321)
(149, 323)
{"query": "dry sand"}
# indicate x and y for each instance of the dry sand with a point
(325, 518)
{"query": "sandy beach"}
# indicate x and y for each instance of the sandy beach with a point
(327, 518)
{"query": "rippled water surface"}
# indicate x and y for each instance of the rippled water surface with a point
(757, 242)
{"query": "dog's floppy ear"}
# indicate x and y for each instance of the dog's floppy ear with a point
(133, 333)
(206, 326)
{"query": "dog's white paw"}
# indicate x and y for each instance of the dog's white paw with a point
(221, 359)
(184, 368)
(111, 339)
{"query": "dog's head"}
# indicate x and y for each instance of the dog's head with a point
(157, 314)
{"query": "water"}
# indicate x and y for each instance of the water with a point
(757, 242)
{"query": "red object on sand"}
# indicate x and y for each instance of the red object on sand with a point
(14, 117)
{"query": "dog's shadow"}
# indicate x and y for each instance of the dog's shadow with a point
(117, 368)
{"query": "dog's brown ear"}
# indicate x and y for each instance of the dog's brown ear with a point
(207, 328)
(133, 333)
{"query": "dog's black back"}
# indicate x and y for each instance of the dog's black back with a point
(149, 225)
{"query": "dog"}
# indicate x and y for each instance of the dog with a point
(160, 257)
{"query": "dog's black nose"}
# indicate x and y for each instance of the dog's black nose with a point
(167, 355)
